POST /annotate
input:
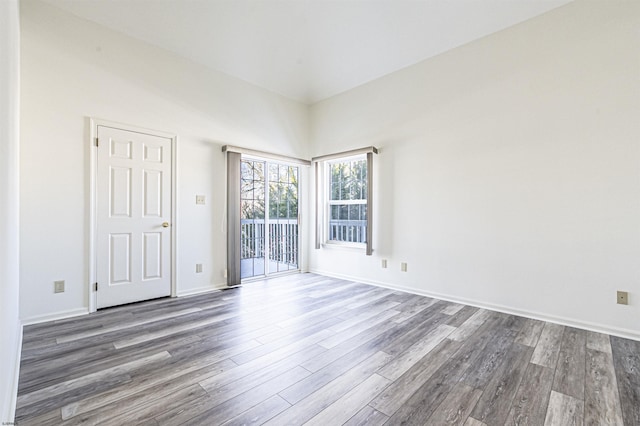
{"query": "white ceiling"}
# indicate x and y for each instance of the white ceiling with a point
(307, 50)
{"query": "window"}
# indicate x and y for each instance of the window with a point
(343, 198)
(347, 200)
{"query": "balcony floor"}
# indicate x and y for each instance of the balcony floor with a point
(255, 267)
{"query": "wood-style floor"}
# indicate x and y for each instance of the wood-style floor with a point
(307, 349)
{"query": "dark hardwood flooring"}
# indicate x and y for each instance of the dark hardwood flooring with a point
(306, 349)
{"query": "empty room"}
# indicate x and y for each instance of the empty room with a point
(323, 212)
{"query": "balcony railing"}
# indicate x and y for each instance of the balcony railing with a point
(284, 235)
(352, 231)
(283, 240)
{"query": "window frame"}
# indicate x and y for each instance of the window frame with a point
(328, 202)
(322, 205)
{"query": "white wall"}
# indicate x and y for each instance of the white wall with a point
(509, 171)
(73, 69)
(10, 327)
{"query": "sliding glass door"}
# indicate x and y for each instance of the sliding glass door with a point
(269, 236)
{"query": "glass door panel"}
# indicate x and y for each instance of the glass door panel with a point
(252, 218)
(283, 217)
(270, 238)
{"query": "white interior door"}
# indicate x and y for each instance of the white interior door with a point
(133, 209)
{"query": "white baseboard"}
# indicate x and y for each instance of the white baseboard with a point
(84, 311)
(200, 290)
(9, 405)
(55, 316)
(600, 328)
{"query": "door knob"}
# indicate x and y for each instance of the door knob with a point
(165, 224)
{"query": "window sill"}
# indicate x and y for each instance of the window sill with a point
(345, 246)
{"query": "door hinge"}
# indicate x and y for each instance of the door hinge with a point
(96, 141)
(95, 286)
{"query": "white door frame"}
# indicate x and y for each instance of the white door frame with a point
(93, 199)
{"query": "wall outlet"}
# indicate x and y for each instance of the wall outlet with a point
(199, 199)
(224, 273)
(623, 298)
(58, 286)
(198, 268)
(384, 263)
(403, 266)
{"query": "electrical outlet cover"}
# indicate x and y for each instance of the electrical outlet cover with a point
(623, 298)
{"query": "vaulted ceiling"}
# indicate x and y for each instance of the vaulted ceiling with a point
(307, 50)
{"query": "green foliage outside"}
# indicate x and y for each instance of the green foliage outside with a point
(283, 191)
(349, 180)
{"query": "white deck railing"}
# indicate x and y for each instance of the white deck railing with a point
(352, 231)
(283, 240)
(283, 237)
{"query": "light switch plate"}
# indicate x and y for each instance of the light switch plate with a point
(58, 286)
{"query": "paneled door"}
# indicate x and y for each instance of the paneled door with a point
(133, 211)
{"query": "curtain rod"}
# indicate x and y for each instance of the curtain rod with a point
(257, 153)
(350, 153)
